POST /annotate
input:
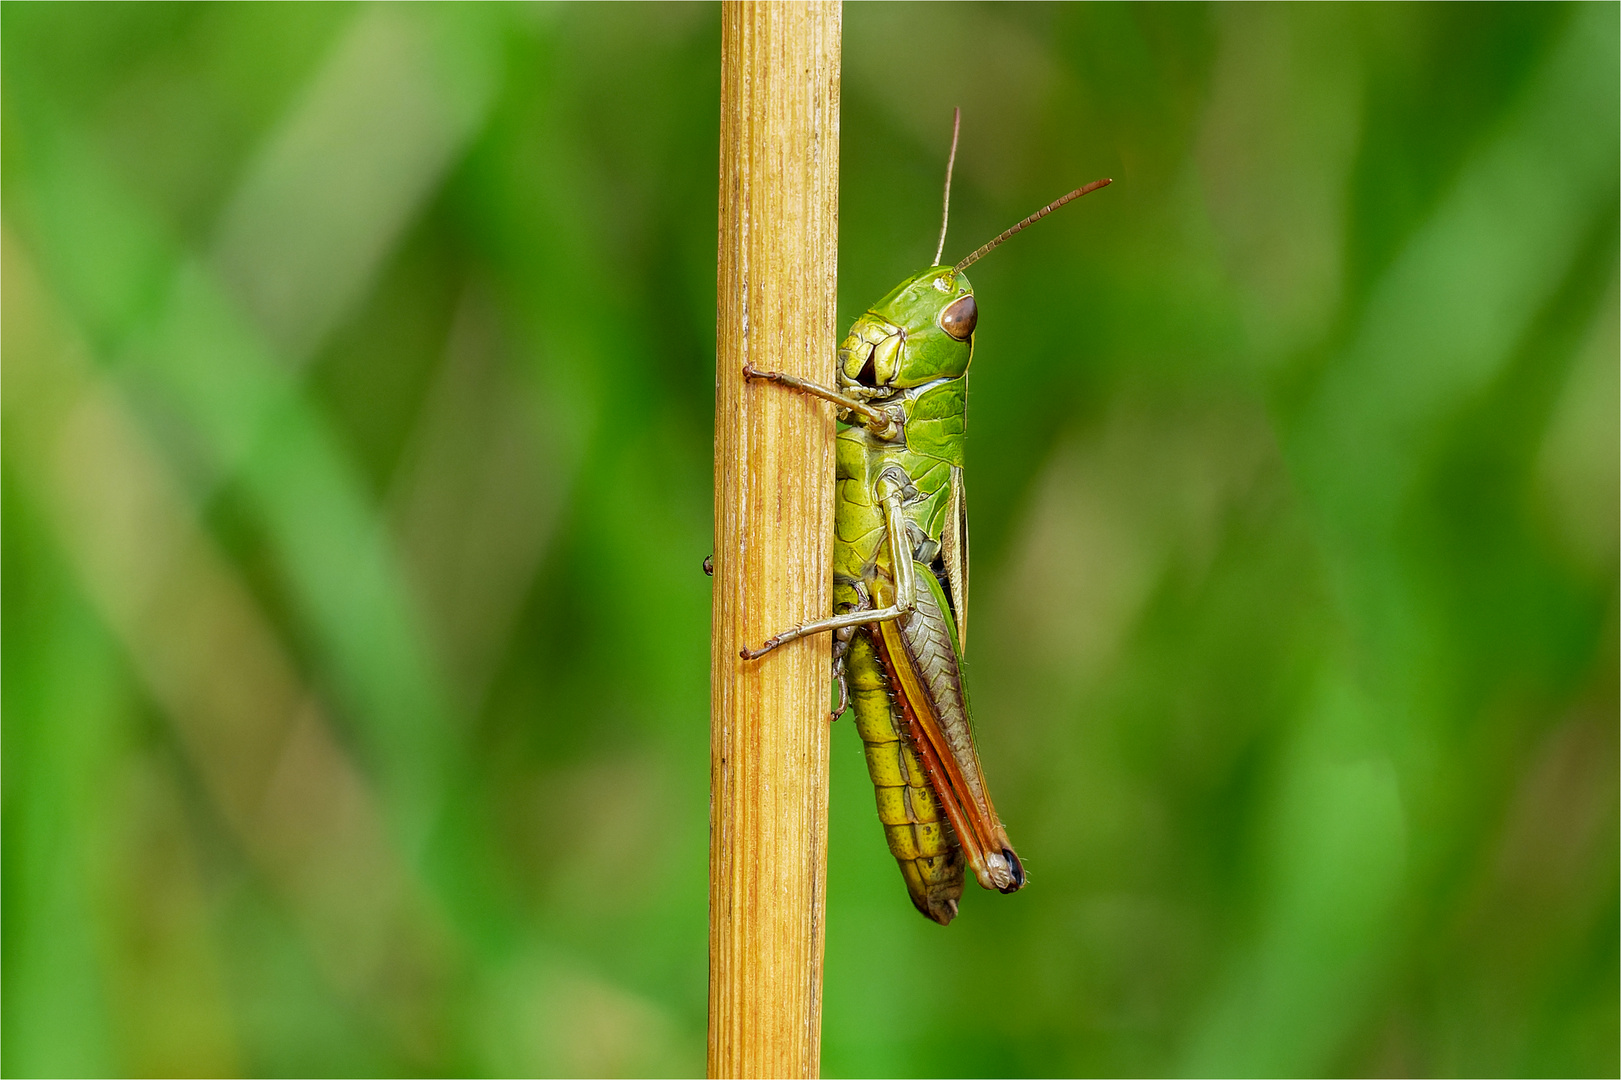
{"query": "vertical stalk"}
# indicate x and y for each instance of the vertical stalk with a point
(779, 181)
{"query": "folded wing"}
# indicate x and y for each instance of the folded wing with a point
(923, 658)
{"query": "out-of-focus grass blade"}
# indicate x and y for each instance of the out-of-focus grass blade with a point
(61, 697)
(1437, 328)
(166, 322)
(351, 166)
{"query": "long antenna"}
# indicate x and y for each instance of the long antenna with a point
(1032, 219)
(945, 212)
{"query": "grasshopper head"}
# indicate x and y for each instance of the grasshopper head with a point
(921, 331)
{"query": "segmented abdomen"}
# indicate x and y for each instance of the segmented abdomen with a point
(919, 836)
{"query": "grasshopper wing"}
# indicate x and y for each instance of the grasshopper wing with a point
(954, 553)
(924, 664)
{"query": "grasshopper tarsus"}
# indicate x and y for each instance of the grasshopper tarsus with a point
(754, 654)
(709, 566)
(843, 687)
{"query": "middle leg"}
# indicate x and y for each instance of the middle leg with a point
(900, 558)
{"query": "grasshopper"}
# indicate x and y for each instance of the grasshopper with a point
(900, 572)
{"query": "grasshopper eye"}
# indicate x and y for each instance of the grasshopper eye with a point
(959, 318)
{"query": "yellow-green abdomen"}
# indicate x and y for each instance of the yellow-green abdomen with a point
(919, 836)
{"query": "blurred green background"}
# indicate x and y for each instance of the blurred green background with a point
(358, 391)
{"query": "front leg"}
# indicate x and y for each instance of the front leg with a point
(900, 559)
(876, 420)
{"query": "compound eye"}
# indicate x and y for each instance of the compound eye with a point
(959, 318)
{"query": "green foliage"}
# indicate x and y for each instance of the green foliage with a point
(356, 435)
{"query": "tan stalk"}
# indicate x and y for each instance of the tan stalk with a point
(779, 181)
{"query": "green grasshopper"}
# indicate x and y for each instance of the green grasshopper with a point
(900, 572)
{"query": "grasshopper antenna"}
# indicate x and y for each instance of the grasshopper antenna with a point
(945, 211)
(1032, 219)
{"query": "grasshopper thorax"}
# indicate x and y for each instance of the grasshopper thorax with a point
(922, 330)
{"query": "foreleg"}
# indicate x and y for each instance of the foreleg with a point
(877, 420)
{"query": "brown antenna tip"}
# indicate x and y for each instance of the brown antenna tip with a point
(1032, 219)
